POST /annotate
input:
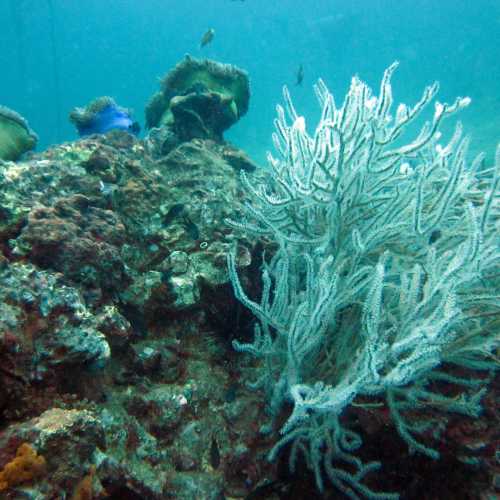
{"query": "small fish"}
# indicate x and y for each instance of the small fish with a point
(173, 212)
(214, 454)
(230, 394)
(300, 75)
(265, 490)
(135, 128)
(191, 228)
(106, 189)
(435, 235)
(207, 37)
(166, 275)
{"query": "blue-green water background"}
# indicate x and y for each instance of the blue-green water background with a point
(121, 47)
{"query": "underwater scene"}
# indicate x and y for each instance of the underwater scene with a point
(249, 249)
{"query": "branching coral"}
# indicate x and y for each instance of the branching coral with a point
(386, 271)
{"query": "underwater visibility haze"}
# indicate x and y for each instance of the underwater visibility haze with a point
(121, 47)
(250, 249)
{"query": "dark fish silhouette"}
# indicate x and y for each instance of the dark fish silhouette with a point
(434, 236)
(300, 75)
(207, 38)
(173, 212)
(191, 228)
(214, 454)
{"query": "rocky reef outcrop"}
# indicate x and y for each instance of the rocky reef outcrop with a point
(116, 317)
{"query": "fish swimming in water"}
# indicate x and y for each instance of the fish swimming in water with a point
(214, 453)
(173, 212)
(207, 38)
(101, 116)
(191, 228)
(300, 75)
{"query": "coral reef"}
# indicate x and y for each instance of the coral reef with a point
(16, 137)
(117, 318)
(109, 257)
(200, 98)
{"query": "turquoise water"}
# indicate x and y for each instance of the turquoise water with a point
(57, 54)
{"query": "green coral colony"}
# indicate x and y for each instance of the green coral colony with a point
(16, 137)
(199, 91)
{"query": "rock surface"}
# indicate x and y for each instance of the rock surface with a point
(116, 319)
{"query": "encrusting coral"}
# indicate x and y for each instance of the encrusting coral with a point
(26, 466)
